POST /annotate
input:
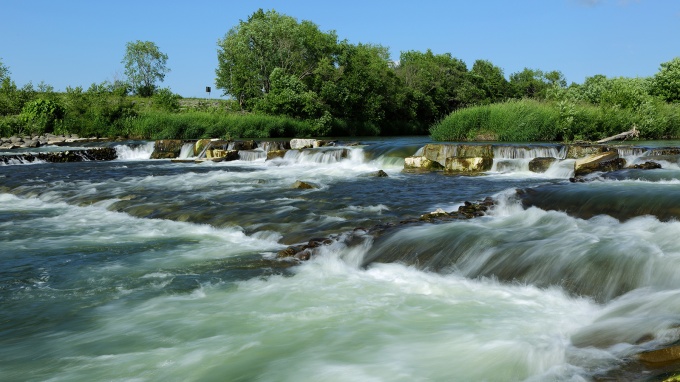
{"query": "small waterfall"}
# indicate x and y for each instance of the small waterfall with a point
(135, 151)
(561, 169)
(529, 152)
(320, 155)
(187, 151)
(637, 155)
(13, 160)
(517, 158)
(512, 247)
(633, 155)
(274, 146)
(252, 155)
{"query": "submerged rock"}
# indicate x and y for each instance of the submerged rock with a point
(647, 166)
(303, 185)
(304, 252)
(661, 357)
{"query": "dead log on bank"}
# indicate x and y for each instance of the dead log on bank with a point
(634, 133)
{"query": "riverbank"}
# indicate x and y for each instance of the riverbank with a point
(35, 141)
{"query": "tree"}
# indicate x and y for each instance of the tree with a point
(250, 52)
(434, 81)
(489, 82)
(362, 93)
(41, 116)
(4, 71)
(666, 83)
(528, 83)
(145, 64)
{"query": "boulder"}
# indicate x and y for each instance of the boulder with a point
(441, 152)
(661, 357)
(604, 161)
(468, 165)
(421, 163)
(243, 145)
(276, 154)
(541, 164)
(31, 144)
(647, 166)
(167, 149)
(54, 140)
(298, 143)
(583, 150)
(225, 155)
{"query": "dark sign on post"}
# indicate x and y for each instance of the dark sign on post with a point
(207, 89)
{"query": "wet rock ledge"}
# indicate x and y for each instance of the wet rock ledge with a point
(94, 154)
(303, 252)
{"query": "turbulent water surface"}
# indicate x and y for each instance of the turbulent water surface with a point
(146, 270)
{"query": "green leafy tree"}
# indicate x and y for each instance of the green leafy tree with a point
(625, 93)
(165, 99)
(289, 96)
(4, 71)
(487, 84)
(362, 92)
(13, 98)
(528, 83)
(666, 83)
(145, 65)
(40, 116)
(434, 82)
(106, 111)
(591, 90)
(249, 53)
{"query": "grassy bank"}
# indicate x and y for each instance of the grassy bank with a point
(529, 120)
(203, 124)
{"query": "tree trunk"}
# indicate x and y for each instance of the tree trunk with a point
(628, 134)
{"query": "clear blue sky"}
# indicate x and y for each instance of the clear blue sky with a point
(78, 42)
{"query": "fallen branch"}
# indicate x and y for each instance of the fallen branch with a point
(634, 133)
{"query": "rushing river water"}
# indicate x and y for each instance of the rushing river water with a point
(148, 270)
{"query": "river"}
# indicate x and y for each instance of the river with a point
(148, 270)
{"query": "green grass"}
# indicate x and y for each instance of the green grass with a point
(533, 121)
(200, 124)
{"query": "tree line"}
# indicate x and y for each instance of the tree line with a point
(312, 83)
